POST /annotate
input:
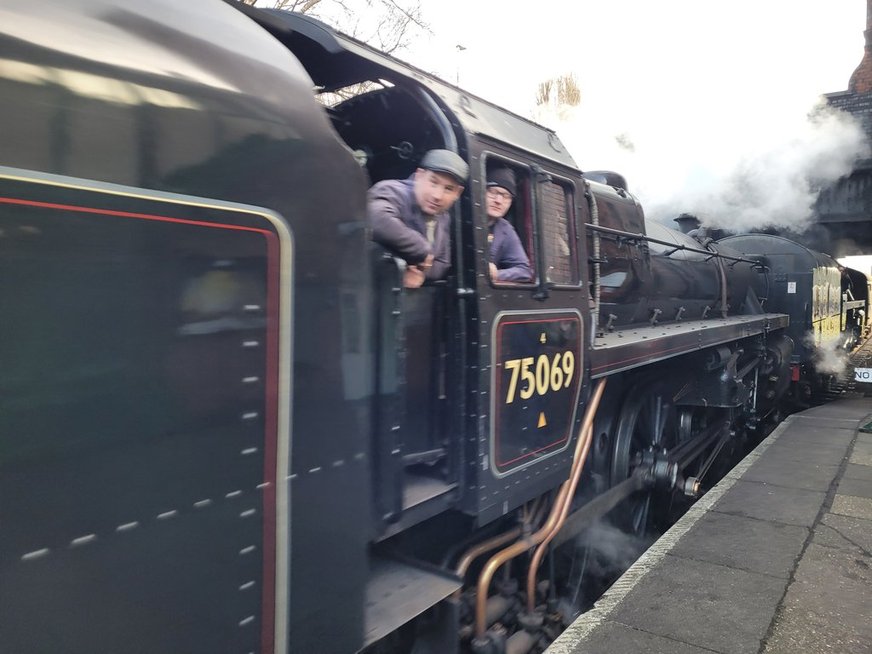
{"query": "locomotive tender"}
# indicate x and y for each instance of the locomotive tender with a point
(224, 425)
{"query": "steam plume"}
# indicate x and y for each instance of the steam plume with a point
(770, 180)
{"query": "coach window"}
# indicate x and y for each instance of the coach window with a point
(557, 228)
(508, 210)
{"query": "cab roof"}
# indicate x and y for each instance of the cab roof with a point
(335, 60)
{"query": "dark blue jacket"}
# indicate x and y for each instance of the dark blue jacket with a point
(508, 254)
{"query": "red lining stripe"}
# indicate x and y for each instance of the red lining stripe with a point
(130, 214)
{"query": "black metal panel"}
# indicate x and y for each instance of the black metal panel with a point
(787, 256)
(197, 99)
(139, 421)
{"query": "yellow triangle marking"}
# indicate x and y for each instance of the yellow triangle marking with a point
(542, 421)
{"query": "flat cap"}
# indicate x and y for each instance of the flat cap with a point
(445, 161)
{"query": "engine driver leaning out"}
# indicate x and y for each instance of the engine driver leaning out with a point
(410, 216)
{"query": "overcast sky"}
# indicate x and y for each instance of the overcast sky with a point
(703, 105)
(672, 50)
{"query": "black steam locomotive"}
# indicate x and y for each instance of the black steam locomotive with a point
(224, 424)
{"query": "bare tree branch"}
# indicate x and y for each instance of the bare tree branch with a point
(543, 92)
(414, 14)
(301, 6)
(389, 25)
(563, 91)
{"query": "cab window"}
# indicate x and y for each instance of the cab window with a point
(557, 227)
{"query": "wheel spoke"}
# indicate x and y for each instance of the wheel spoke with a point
(640, 514)
(661, 422)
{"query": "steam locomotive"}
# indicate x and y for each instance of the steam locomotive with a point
(224, 424)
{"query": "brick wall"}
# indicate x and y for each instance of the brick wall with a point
(857, 100)
(861, 80)
(845, 207)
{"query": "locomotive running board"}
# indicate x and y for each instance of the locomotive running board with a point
(630, 348)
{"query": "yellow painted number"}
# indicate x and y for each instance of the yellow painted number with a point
(527, 376)
(568, 366)
(513, 365)
(540, 374)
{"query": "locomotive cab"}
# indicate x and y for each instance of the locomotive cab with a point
(479, 381)
(440, 439)
(855, 306)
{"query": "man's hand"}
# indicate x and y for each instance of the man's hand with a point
(413, 277)
(493, 272)
(427, 263)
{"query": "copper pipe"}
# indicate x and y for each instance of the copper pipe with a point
(585, 440)
(564, 511)
(521, 546)
(482, 548)
(531, 515)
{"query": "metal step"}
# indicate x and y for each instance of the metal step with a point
(398, 591)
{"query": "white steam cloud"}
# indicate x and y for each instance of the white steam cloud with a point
(830, 356)
(612, 550)
(770, 176)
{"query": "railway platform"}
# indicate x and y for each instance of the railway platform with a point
(775, 559)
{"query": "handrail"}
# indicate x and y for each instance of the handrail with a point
(675, 248)
(597, 268)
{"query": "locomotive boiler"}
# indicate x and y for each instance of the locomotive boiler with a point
(224, 424)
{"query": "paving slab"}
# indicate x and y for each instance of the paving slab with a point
(793, 506)
(855, 487)
(840, 532)
(703, 604)
(823, 453)
(807, 473)
(744, 543)
(819, 431)
(861, 458)
(617, 638)
(855, 507)
(862, 448)
(855, 409)
(826, 608)
(857, 471)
